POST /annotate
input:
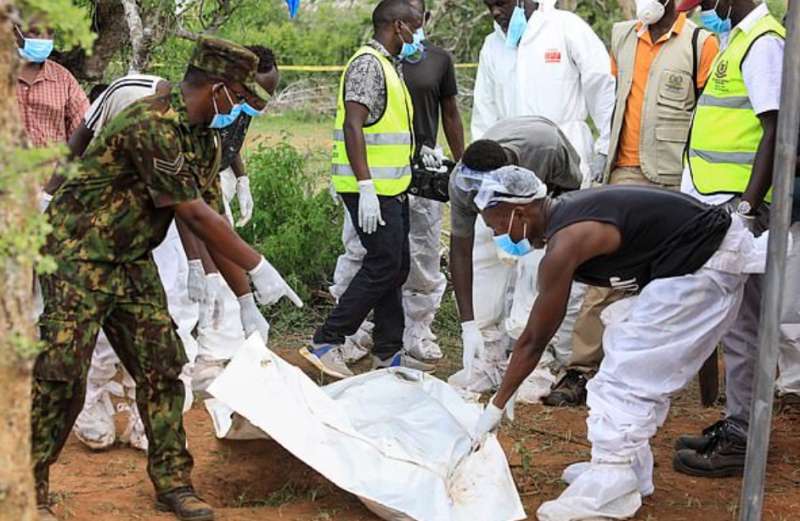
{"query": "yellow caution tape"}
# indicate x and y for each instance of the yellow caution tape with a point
(340, 68)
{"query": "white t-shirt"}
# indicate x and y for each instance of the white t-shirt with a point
(762, 71)
(118, 96)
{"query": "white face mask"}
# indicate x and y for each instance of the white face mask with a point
(650, 11)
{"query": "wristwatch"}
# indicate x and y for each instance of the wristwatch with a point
(744, 208)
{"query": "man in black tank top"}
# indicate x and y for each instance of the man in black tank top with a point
(687, 261)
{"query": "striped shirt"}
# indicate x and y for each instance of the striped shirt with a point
(118, 96)
(52, 106)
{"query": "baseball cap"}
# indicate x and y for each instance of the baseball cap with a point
(228, 60)
(688, 5)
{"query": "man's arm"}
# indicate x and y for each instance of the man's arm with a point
(568, 249)
(215, 231)
(238, 166)
(592, 60)
(78, 143)
(461, 270)
(195, 248)
(485, 111)
(453, 126)
(355, 117)
(234, 275)
(761, 178)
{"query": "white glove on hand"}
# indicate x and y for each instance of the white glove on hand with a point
(44, 201)
(369, 207)
(431, 157)
(598, 167)
(196, 281)
(270, 286)
(212, 308)
(252, 319)
(487, 423)
(473, 344)
(245, 200)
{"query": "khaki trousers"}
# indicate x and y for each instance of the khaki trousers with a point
(587, 339)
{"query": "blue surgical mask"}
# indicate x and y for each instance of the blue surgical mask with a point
(507, 244)
(714, 22)
(516, 26)
(250, 111)
(412, 52)
(35, 50)
(224, 120)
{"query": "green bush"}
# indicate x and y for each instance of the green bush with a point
(295, 226)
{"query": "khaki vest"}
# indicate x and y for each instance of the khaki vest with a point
(669, 100)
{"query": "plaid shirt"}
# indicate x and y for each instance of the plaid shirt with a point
(53, 106)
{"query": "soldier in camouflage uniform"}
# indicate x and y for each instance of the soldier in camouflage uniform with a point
(156, 159)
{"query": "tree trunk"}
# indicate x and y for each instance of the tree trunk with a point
(17, 498)
(136, 31)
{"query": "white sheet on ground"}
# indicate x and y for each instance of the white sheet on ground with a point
(394, 437)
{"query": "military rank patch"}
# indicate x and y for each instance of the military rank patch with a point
(168, 167)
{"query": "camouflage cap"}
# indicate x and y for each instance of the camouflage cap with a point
(230, 61)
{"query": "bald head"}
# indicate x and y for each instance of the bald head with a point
(390, 11)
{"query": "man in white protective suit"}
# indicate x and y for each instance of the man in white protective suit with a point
(689, 262)
(431, 81)
(95, 425)
(542, 61)
(483, 275)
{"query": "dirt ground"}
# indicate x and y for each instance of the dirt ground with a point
(259, 480)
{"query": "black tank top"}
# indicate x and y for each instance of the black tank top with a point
(664, 233)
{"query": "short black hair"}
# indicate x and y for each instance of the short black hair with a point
(266, 58)
(97, 91)
(484, 155)
(388, 11)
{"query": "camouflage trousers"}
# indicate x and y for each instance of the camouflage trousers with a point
(128, 302)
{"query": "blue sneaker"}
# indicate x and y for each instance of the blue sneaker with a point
(328, 359)
(402, 359)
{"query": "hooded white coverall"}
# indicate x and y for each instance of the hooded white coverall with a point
(561, 70)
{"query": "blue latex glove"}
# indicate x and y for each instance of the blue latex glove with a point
(293, 6)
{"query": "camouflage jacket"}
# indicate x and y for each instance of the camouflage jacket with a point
(145, 161)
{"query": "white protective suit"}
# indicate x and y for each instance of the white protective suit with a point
(561, 70)
(655, 343)
(423, 290)
(789, 359)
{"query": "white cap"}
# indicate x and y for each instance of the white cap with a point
(509, 184)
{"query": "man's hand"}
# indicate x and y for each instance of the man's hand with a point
(245, 200)
(488, 422)
(252, 319)
(270, 286)
(473, 343)
(212, 308)
(432, 158)
(598, 167)
(196, 281)
(369, 207)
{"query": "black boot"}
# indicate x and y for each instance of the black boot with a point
(699, 443)
(185, 504)
(570, 391)
(722, 457)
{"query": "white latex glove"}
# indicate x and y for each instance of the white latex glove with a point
(598, 167)
(487, 423)
(334, 194)
(44, 201)
(196, 281)
(431, 157)
(252, 319)
(245, 200)
(212, 308)
(369, 207)
(270, 286)
(473, 344)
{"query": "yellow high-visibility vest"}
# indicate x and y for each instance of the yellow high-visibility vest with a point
(726, 132)
(390, 140)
